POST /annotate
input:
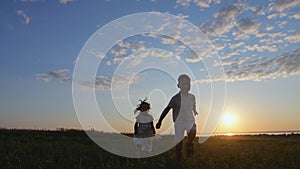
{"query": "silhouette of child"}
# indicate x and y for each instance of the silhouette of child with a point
(143, 127)
(184, 111)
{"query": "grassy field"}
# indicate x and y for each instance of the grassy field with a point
(74, 149)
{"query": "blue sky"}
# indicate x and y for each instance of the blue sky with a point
(257, 41)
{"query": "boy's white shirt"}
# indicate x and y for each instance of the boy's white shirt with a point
(144, 117)
(186, 108)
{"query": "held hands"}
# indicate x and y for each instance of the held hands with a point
(158, 124)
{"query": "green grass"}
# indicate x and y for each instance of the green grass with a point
(74, 149)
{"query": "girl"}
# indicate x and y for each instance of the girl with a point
(143, 127)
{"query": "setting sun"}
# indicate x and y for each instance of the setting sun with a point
(228, 119)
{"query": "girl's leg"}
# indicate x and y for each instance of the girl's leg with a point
(148, 144)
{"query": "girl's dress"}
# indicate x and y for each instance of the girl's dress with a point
(144, 131)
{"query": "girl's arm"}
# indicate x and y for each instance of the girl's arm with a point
(136, 127)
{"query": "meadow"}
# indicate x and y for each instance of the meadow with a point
(74, 149)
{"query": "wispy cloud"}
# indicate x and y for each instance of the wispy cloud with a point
(261, 68)
(200, 3)
(281, 5)
(33, 0)
(65, 1)
(101, 82)
(237, 69)
(242, 25)
(107, 82)
(62, 75)
(26, 18)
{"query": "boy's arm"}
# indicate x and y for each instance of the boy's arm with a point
(152, 127)
(195, 111)
(162, 116)
(194, 107)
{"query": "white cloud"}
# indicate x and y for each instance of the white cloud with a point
(228, 13)
(200, 3)
(270, 41)
(24, 15)
(138, 58)
(261, 48)
(235, 52)
(233, 46)
(239, 35)
(283, 14)
(184, 3)
(294, 37)
(248, 25)
(219, 47)
(217, 28)
(269, 28)
(282, 5)
(275, 35)
(133, 46)
(168, 40)
(260, 35)
(258, 10)
(272, 16)
(296, 16)
(178, 50)
(182, 16)
(118, 52)
(108, 63)
(117, 60)
(97, 54)
(193, 58)
(65, 1)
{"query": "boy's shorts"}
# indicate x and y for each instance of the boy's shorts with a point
(180, 127)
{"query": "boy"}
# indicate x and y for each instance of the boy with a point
(184, 111)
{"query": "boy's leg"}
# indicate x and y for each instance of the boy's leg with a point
(189, 145)
(179, 134)
(179, 151)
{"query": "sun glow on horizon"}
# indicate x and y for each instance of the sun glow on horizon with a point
(228, 119)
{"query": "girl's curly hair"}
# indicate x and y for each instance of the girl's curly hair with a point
(144, 103)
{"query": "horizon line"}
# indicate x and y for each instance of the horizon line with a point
(126, 132)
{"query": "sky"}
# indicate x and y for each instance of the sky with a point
(256, 43)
